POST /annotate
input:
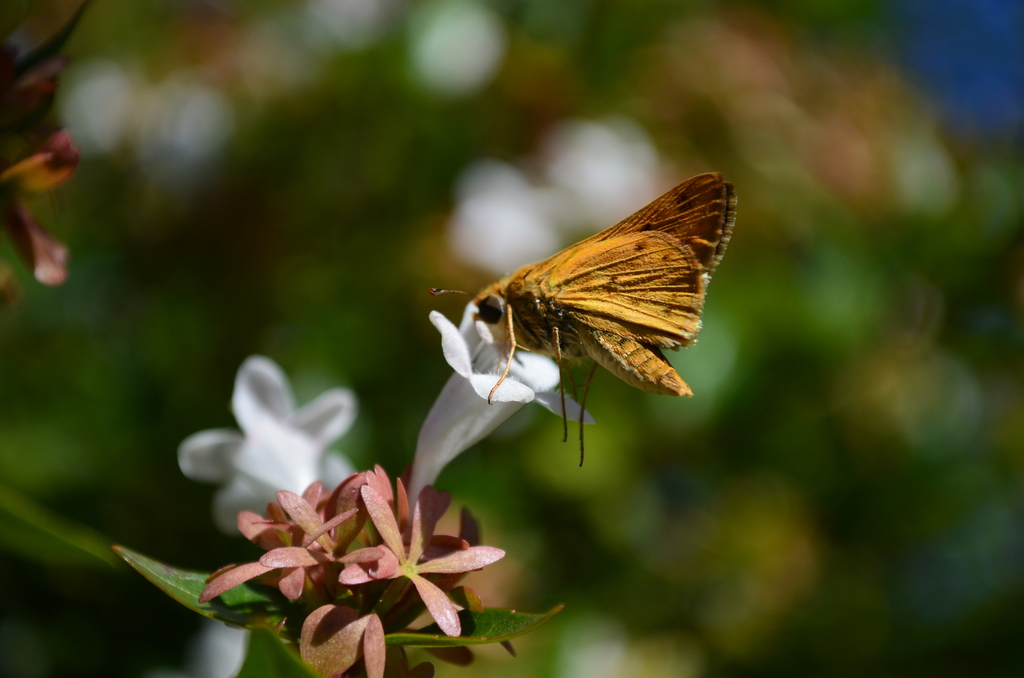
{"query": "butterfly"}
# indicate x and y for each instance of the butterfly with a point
(622, 296)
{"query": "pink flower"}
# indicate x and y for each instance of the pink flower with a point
(319, 552)
(304, 537)
(425, 553)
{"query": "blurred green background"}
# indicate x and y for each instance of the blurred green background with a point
(841, 497)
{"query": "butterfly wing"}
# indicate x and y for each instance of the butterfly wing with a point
(700, 213)
(646, 277)
(645, 286)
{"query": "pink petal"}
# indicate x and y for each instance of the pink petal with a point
(373, 647)
(378, 480)
(367, 555)
(292, 582)
(293, 556)
(276, 513)
(312, 493)
(264, 533)
(383, 519)
(232, 578)
(443, 545)
(346, 495)
(345, 498)
(386, 567)
(300, 511)
(304, 515)
(402, 505)
(333, 523)
(353, 575)
(472, 558)
(441, 609)
(330, 639)
(430, 506)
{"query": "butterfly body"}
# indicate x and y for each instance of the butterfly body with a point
(623, 295)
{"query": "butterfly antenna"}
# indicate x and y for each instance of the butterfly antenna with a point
(583, 407)
(437, 291)
(511, 352)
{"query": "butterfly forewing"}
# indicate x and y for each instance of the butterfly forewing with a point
(639, 285)
(646, 277)
(700, 213)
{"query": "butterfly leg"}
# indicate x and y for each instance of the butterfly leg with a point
(583, 406)
(556, 340)
(511, 352)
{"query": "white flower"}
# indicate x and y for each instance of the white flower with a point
(281, 448)
(461, 415)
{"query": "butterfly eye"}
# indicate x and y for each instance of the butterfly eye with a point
(491, 309)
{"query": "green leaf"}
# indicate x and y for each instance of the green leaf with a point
(249, 604)
(33, 531)
(493, 625)
(51, 47)
(269, 657)
(12, 13)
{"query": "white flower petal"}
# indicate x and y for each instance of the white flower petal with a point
(553, 402)
(484, 332)
(209, 455)
(509, 391)
(334, 468)
(536, 371)
(240, 494)
(261, 392)
(328, 417)
(456, 352)
(279, 456)
(467, 321)
(458, 420)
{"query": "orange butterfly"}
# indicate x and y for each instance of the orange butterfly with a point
(622, 295)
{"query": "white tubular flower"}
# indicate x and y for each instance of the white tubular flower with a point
(280, 448)
(461, 416)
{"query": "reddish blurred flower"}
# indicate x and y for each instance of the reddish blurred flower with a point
(52, 163)
(25, 97)
(45, 256)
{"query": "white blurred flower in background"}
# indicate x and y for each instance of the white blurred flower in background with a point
(500, 220)
(605, 170)
(348, 24)
(592, 174)
(178, 127)
(184, 129)
(457, 46)
(593, 646)
(280, 448)
(97, 105)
